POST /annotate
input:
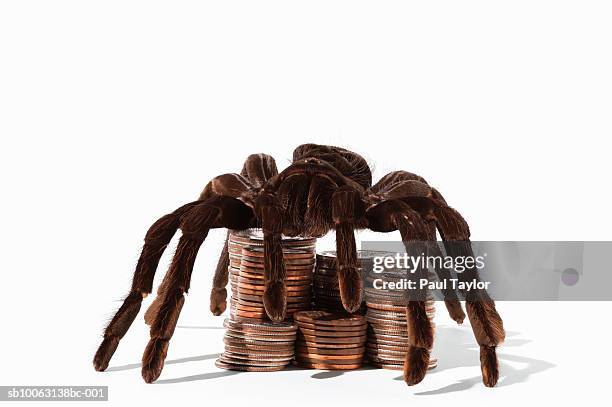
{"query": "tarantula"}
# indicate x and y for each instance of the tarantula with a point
(325, 188)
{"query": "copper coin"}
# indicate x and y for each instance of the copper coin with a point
(259, 277)
(327, 318)
(309, 348)
(257, 235)
(300, 341)
(290, 264)
(290, 298)
(258, 252)
(261, 313)
(257, 308)
(293, 293)
(241, 278)
(344, 329)
(301, 287)
(331, 340)
(329, 366)
(245, 314)
(333, 334)
(256, 268)
(328, 360)
(292, 302)
(261, 310)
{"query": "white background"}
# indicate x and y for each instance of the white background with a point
(114, 113)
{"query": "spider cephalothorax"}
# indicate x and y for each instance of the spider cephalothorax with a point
(325, 188)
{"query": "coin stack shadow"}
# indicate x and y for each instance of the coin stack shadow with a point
(387, 326)
(329, 341)
(252, 342)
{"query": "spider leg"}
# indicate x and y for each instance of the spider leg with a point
(215, 212)
(486, 323)
(414, 234)
(258, 168)
(399, 184)
(156, 240)
(269, 211)
(451, 301)
(347, 209)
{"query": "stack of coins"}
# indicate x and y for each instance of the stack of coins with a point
(246, 274)
(387, 325)
(326, 292)
(330, 341)
(257, 347)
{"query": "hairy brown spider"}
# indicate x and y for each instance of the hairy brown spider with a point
(324, 188)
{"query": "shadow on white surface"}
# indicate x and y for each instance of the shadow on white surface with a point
(198, 377)
(456, 348)
(167, 362)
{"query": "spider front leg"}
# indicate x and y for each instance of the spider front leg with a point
(347, 211)
(258, 168)
(215, 212)
(156, 240)
(275, 292)
(414, 234)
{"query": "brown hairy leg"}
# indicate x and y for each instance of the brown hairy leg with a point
(213, 213)
(347, 208)
(258, 168)
(218, 292)
(413, 230)
(275, 291)
(156, 240)
(451, 301)
(486, 323)
(399, 184)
